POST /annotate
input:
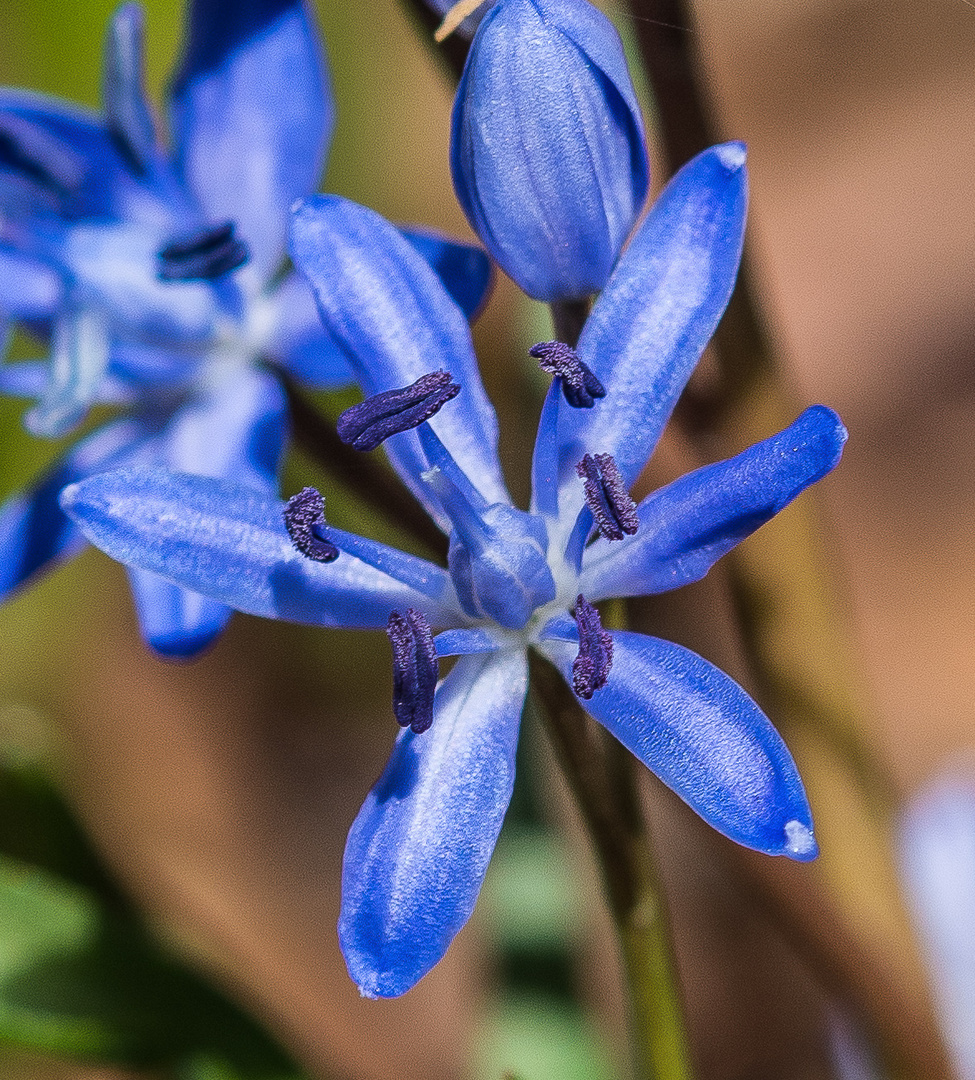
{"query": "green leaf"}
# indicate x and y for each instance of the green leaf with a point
(81, 981)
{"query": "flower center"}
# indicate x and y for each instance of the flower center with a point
(202, 255)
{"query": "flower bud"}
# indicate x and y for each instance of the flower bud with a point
(547, 148)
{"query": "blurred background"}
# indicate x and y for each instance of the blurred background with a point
(219, 793)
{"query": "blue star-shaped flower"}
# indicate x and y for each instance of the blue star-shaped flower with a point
(515, 580)
(156, 273)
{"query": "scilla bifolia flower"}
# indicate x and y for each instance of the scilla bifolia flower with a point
(153, 269)
(515, 580)
(547, 148)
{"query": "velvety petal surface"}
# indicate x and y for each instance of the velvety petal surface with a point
(418, 851)
(34, 532)
(252, 115)
(547, 147)
(688, 525)
(937, 858)
(228, 541)
(704, 737)
(649, 327)
(394, 319)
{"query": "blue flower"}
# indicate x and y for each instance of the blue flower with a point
(547, 149)
(155, 273)
(937, 856)
(515, 580)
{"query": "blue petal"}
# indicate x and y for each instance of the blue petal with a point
(300, 343)
(394, 319)
(128, 114)
(228, 542)
(660, 308)
(705, 738)
(937, 857)
(29, 378)
(464, 269)
(63, 159)
(688, 525)
(460, 642)
(28, 289)
(420, 846)
(34, 533)
(175, 622)
(547, 149)
(234, 429)
(252, 115)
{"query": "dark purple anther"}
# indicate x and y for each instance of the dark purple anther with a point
(414, 669)
(579, 385)
(304, 518)
(590, 668)
(203, 255)
(607, 497)
(368, 424)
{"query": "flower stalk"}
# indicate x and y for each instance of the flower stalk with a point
(603, 782)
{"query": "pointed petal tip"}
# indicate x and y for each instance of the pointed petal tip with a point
(68, 497)
(732, 155)
(800, 843)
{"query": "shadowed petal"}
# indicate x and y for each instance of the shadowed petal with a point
(61, 159)
(419, 848)
(234, 430)
(34, 532)
(464, 269)
(697, 730)
(175, 622)
(300, 343)
(688, 525)
(252, 88)
(660, 308)
(229, 542)
(396, 322)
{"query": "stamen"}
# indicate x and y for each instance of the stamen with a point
(368, 424)
(205, 254)
(414, 669)
(304, 518)
(607, 497)
(579, 385)
(590, 668)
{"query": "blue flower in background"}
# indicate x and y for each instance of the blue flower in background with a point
(156, 273)
(547, 148)
(418, 850)
(937, 857)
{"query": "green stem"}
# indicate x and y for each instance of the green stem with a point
(603, 780)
